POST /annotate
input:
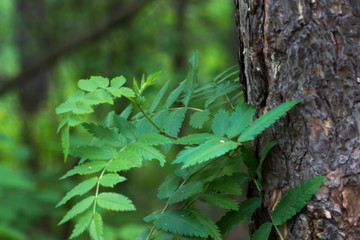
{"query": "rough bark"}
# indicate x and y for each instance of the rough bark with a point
(308, 51)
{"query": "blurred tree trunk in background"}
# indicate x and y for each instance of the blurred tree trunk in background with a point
(308, 51)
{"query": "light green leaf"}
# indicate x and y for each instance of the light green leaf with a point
(96, 227)
(117, 82)
(87, 85)
(153, 139)
(93, 152)
(105, 134)
(115, 202)
(79, 190)
(180, 221)
(86, 168)
(191, 78)
(219, 200)
(198, 119)
(209, 226)
(220, 123)
(197, 138)
(147, 152)
(240, 119)
(263, 232)
(124, 160)
(233, 218)
(82, 224)
(159, 96)
(186, 191)
(265, 121)
(127, 92)
(204, 152)
(295, 199)
(174, 95)
(77, 209)
(174, 121)
(99, 81)
(65, 141)
(82, 108)
(111, 179)
(168, 187)
(97, 97)
(65, 107)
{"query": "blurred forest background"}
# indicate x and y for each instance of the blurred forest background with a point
(46, 46)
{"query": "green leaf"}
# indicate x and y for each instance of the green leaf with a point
(152, 216)
(180, 221)
(295, 199)
(210, 226)
(153, 139)
(82, 224)
(263, 232)
(143, 235)
(233, 218)
(174, 121)
(265, 121)
(249, 158)
(118, 82)
(127, 92)
(65, 141)
(111, 179)
(124, 160)
(104, 134)
(191, 78)
(93, 152)
(240, 119)
(77, 209)
(87, 85)
(168, 187)
(159, 96)
(126, 128)
(115, 202)
(99, 81)
(266, 150)
(197, 138)
(186, 191)
(96, 227)
(204, 152)
(198, 119)
(219, 200)
(79, 190)
(86, 168)
(147, 152)
(97, 97)
(229, 184)
(220, 123)
(174, 95)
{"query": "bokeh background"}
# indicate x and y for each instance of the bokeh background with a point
(46, 46)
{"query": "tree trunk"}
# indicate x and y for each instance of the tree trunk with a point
(307, 51)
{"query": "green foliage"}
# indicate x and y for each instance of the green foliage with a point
(295, 199)
(207, 166)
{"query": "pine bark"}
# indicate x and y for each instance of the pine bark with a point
(307, 51)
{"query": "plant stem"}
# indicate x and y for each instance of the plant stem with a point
(278, 232)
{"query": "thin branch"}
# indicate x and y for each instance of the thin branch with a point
(44, 62)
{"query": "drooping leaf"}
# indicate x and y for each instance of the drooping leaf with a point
(240, 119)
(219, 200)
(186, 191)
(159, 96)
(191, 78)
(263, 232)
(115, 202)
(93, 152)
(77, 209)
(82, 224)
(174, 95)
(153, 139)
(111, 179)
(220, 123)
(180, 221)
(65, 141)
(210, 226)
(233, 218)
(79, 190)
(295, 199)
(204, 152)
(198, 119)
(197, 138)
(104, 134)
(168, 187)
(96, 227)
(86, 168)
(124, 160)
(147, 152)
(265, 121)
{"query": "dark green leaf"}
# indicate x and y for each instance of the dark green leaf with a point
(168, 187)
(263, 232)
(198, 119)
(220, 123)
(186, 191)
(240, 119)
